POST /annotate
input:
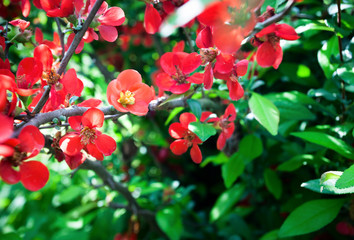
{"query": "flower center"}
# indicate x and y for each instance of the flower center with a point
(51, 77)
(126, 98)
(208, 55)
(17, 158)
(179, 76)
(189, 137)
(273, 39)
(88, 135)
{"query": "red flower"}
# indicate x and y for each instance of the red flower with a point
(22, 24)
(225, 123)
(185, 137)
(110, 19)
(56, 8)
(152, 19)
(269, 52)
(86, 137)
(32, 174)
(127, 93)
(178, 66)
(235, 89)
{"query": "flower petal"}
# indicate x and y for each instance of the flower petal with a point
(71, 144)
(8, 174)
(241, 67)
(108, 33)
(34, 175)
(176, 130)
(43, 54)
(196, 154)
(235, 90)
(114, 16)
(94, 151)
(186, 118)
(106, 144)
(93, 118)
(6, 127)
(32, 140)
(179, 147)
(75, 161)
(152, 19)
(75, 122)
(128, 78)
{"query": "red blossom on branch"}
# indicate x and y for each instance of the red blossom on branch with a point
(178, 66)
(128, 93)
(15, 152)
(225, 123)
(86, 137)
(185, 137)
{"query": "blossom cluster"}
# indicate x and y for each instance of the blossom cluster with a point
(221, 29)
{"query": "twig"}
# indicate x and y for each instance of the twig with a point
(189, 40)
(158, 46)
(42, 118)
(78, 36)
(108, 180)
(77, 39)
(108, 76)
(271, 20)
(339, 21)
(61, 37)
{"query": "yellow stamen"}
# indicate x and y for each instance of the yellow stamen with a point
(88, 135)
(126, 98)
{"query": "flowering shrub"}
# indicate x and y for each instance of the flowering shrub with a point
(177, 119)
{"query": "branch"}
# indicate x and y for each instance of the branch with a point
(108, 180)
(108, 76)
(42, 118)
(61, 36)
(77, 39)
(271, 20)
(133, 206)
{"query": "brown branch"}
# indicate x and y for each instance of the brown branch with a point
(271, 20)
(108, 180)
(108, 76)
(61, 37)
(132, 206)
(77, 39)
(42, 118)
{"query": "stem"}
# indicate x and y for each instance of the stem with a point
(78, 36)
(271, 20)
(189, 40)
(61, 36)
(42, 118)
(77, 39)
(339, 21)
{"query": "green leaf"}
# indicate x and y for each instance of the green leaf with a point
(250, 147)
(265, 112)
(70, 193)
(295, 162)
(324, 56)
(225, 201)
(347, 76)
(202, 130)
(294, 111)
(273, 183)
(195, 107)
(216, 159)
(272, 235)
(170, 221)
(327, 141)
(173, 113)
(311, 216)
(10, 236)
(232, 169)
(316, 186)
(347, 179)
